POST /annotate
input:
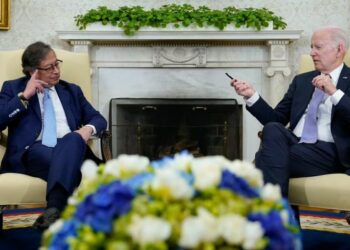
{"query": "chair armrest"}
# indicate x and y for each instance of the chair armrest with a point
(106, 145)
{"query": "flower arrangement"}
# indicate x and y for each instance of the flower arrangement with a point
(174, 203)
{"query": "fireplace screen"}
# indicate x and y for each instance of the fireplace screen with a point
(163, 127)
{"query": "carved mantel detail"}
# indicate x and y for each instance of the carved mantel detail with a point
(179, 56)
(279, 69)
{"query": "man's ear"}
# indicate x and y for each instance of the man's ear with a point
(341, 49)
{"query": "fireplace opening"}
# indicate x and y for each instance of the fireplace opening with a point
(162, 127)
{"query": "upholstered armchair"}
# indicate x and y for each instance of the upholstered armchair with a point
(20, 189)
(329, 191)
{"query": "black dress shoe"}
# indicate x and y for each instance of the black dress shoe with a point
(46, 219)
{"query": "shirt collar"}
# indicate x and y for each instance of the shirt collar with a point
(336, 73)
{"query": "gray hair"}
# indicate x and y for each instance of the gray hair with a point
(338, 35)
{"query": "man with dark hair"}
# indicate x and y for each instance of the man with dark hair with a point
(317, 108)
(49, 122)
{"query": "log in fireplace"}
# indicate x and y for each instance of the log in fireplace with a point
(162, 127)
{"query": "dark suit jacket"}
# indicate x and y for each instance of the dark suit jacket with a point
(294, 103)
(24, 125)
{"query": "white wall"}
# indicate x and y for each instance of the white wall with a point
(33, 20)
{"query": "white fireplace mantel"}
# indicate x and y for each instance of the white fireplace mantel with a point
(244, 35)
(277, 42)
(187, 64)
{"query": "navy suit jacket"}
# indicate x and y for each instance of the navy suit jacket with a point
(24, 125)
(294, 103)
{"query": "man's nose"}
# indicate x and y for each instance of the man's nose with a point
(56, 69)
(312, 52)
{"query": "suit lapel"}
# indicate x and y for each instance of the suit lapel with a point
(65, 99)
(343, 82)
(344, 78)
(34, 104)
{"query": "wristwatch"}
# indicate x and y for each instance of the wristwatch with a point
(23, 100)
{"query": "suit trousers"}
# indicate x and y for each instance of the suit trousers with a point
(58, 165)
(281, 157)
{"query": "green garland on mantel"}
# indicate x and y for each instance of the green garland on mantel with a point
(131, 19)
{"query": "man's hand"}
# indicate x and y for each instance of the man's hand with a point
(85, 132)
(324, 82)
(34, 85)
(243, 88)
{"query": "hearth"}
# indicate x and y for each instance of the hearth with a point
(162, 127)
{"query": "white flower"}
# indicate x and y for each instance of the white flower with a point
(231, 228)
(181, 161)
(247, 171)
(149, 229)
(271, 192)
(253, 232)
(126, 165)
(56, 226)
(72, 200)
(198, 229)
(168, 183)
(207, 171)
(284, 216)
(191, 232)
(89, 170)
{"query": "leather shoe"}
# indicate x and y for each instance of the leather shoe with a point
(49, 216)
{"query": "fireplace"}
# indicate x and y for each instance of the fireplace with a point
(187, 65)
(162, 127)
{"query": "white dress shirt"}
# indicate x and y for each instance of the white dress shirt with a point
(324, 110)
(61, 119)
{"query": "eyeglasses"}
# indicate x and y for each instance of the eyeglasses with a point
(52, 67)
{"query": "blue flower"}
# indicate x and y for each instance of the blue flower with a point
(69, 229)
(279, 237)
(189, 178)
(237, 185)
(108, 202)
(161, 163)
(137, 181)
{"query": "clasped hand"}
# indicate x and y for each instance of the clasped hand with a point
(324, 83)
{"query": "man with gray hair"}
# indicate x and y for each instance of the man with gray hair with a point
(317, 109)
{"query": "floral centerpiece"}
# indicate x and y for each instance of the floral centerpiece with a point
(174, 203)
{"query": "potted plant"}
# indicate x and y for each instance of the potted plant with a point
(131, 19)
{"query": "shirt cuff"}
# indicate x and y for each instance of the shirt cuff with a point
(93, 129)
(252, 100)
(335, 98)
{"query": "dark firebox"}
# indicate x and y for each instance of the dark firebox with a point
(163, 127)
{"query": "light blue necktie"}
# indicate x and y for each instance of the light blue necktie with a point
(49, 131)
(309, 134)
